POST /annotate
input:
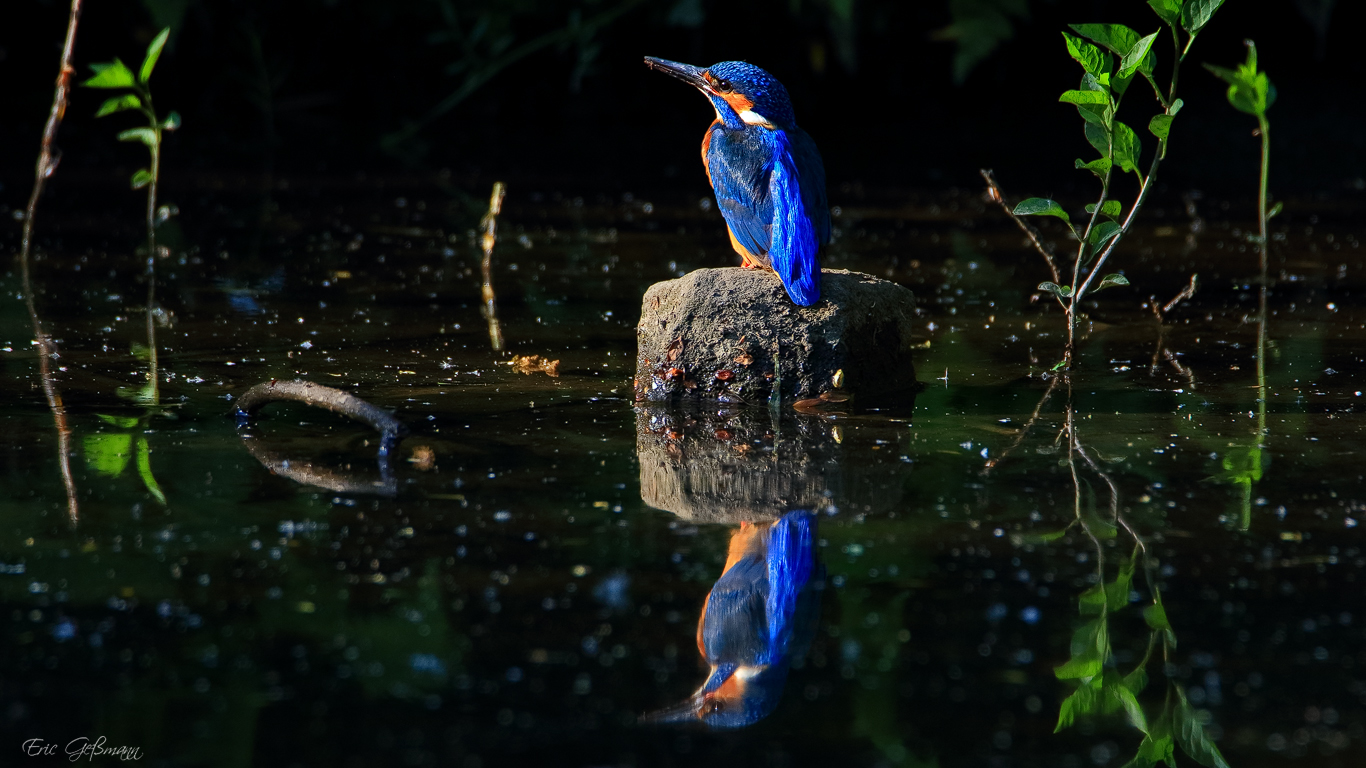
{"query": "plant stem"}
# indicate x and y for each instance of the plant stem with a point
(47, 350)
(489, 240)
(1261, 300)
(1265, 127)
(155, 149)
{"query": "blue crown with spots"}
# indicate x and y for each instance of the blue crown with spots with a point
(769, 96)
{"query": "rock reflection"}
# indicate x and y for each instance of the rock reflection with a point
(769, 474)
(757, 620)
(747, 465)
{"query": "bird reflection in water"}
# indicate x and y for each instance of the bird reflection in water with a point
(758, 619)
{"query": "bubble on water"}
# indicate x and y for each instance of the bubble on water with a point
(64, 630)
(427, 662)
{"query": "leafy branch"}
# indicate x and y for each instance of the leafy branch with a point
(1251, 91)
(1112, 57)
(115, 75)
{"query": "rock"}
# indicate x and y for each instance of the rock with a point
(714, 334)
(732, 465)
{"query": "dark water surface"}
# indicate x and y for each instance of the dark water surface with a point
(518, 600)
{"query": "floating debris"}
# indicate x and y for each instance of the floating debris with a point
(423, 458)
(530, 364)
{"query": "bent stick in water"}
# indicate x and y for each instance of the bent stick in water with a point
(47, 350)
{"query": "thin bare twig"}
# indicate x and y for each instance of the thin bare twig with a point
(1160, 349)
(489, 240)
(47, 350)
(994, 190)
(1186, 293)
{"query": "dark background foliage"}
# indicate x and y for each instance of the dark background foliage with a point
(897, 94)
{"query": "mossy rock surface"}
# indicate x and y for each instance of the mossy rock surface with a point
(733, 335)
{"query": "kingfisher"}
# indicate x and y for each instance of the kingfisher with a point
(759, 615)
(767, 173)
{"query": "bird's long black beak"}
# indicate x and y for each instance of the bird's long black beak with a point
(685, 72)
(686, 712)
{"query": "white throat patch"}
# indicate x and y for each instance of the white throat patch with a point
(750, 117)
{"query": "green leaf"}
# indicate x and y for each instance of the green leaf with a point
(1097, 526)
(111, 74)
(1275, 209)
(1037, 538)
(1160, 126)
(145, 135)
(1156, 616)
(1085, 97)
(1091, 639)
(122, 422)
(1077, 668)
(118, 104)
(1061, 291)
(1041, 206)
(1190, 734)
(1136, 681)
(1133, 61)
(1176, 107)
(143, 395)
(1117, 591)
(1195, 14)
(108, 453)
(1083, 701)
(172, 121)
(145, 470)
(141, 178)
(1111, 208)
(1099, 167)
(1115, 697)
(1157, 746)
(153, 53)
(1092, 59)
(1098, 109)
(1249, 91)
(1167, 10)
(1099, 137)
(1116, 37)
(1128, 148)
(1092, 601)
(1110, 281)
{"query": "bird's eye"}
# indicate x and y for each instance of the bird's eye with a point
(724, 86)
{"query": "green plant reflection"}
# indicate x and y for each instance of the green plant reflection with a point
(1103, 688)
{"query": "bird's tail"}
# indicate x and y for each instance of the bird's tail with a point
(791, 556)
(793, 251)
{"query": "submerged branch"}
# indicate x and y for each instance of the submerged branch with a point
(489, 240)
(319, 396)
(47, 350)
